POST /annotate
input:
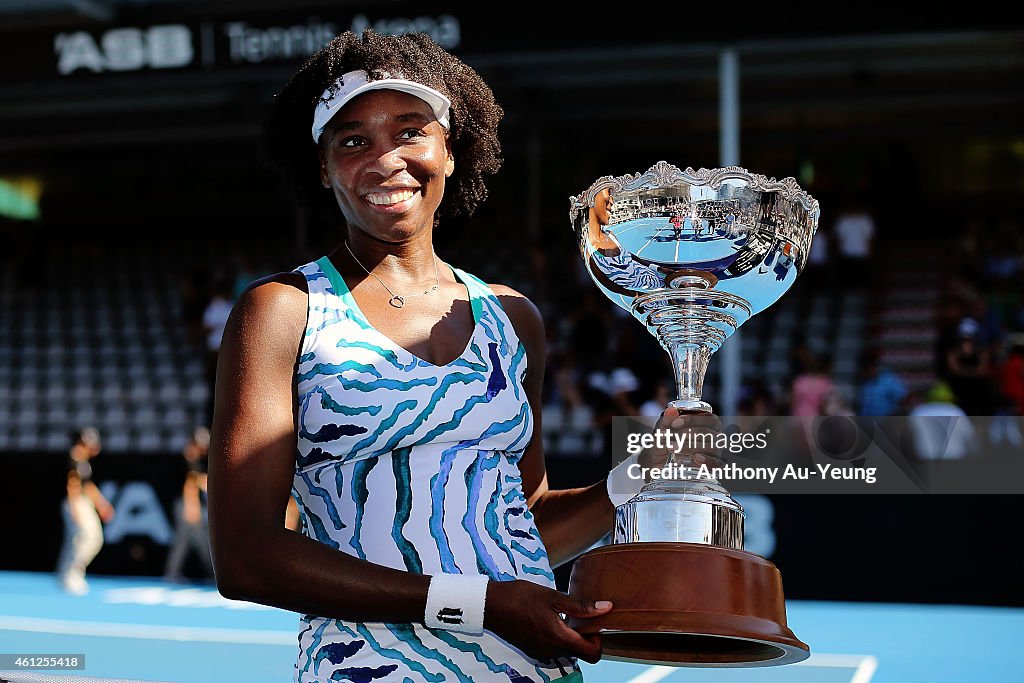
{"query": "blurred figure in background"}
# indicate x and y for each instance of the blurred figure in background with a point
(215, 317)
(854, 231)
(84, 510)
(811, 388)
(191, 527)
(1011, 375)
(819, 274)
(940, 428)
(969, 367)
(658, 398)
(882, 393)
(622, 387)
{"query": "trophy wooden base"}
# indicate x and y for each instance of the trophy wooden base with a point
(686, 604)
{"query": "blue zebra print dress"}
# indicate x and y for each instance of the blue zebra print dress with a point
(415, 467)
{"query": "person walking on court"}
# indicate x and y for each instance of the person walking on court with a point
(84, 510)
(191, 528)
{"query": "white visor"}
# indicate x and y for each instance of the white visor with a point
(355, 83)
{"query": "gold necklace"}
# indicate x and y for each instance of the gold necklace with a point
(397, 300)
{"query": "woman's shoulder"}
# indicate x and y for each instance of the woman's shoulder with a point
(526, 318)
(278, 289)
(271, 305)
(516, 304)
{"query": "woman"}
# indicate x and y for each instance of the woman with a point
(614, 267)
(396, 398)
(84, 510)
(191, 528)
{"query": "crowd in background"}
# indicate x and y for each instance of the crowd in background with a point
(601, 363)
(980, 345)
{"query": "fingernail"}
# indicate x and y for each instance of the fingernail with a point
(602, 604)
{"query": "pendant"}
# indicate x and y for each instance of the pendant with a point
(397, 301)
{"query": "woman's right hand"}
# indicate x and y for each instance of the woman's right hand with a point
(529, 616)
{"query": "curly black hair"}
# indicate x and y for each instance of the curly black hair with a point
(289, 149)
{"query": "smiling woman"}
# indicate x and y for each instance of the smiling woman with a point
(474, 115)
(396, 398)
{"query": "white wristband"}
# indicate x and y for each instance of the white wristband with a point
(455, 602)
(621, 486)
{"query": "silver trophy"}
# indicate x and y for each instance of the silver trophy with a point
(692, 255)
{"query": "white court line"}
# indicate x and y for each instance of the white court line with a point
(866, 670)
(637, 252)
(148, 632)
(864, 665)
(653, 674)
(622, 232)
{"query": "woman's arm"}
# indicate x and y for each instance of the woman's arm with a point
(251, 465)
(99, 501)
(569, 520)
(74, 487)
(191, 506)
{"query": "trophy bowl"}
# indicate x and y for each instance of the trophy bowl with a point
(692, 255)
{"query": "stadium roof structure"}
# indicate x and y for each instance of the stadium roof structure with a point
(96, 85)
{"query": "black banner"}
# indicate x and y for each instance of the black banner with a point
(932, 549)
(191, 38)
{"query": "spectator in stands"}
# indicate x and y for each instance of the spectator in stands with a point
(854, 231)
(622, 386)
(215, 317)
(969, 365)
(84, 510)
(819, 275)
(836, 404)
(951, 438)
(191, 527)
(881, 393)
(1011, 375)
(811, 388)
(988, 325)
(658, 399)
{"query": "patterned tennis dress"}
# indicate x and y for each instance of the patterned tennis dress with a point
(414, 466)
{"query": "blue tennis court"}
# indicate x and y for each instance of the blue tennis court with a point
(150, 629)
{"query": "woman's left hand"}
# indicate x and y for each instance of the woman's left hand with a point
(693, 437)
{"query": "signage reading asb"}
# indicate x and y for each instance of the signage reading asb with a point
(172, 46)
(125, 49)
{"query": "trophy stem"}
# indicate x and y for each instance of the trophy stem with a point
(690, 362)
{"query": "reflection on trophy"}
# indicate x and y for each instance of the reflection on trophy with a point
(692, 255)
